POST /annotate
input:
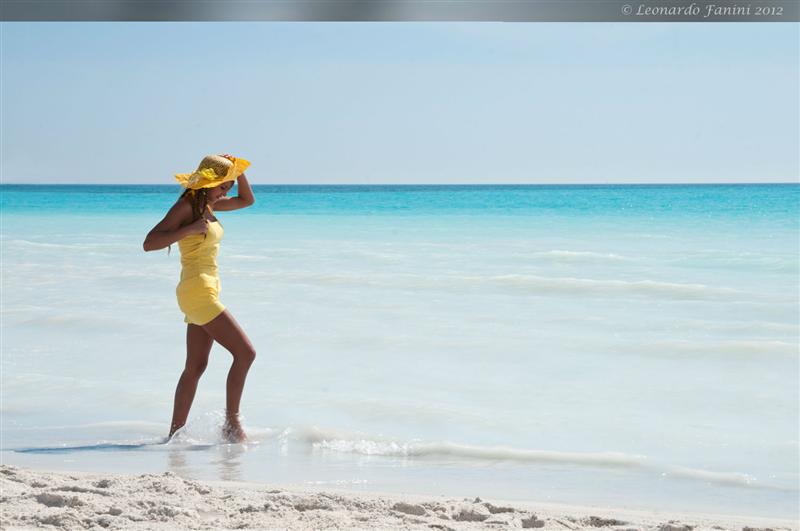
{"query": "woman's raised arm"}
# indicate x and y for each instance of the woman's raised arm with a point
(244, 191)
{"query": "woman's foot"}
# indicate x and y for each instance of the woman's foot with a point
(232, 431)
(173, 429)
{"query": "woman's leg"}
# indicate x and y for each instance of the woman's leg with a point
(198, 347)
(226, 331)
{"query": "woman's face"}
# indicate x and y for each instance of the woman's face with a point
(218, 192)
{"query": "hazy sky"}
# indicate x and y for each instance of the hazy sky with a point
(402, 102)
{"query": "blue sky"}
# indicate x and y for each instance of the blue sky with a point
(408, 102)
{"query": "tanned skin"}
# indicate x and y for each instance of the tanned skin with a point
(223, 329)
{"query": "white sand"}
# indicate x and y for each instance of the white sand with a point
(31, 499)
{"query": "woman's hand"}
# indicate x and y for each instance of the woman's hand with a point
(200, 226)
(232, 159)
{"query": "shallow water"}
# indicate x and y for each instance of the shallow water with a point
(622, 345)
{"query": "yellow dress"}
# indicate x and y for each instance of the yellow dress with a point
(198, 290)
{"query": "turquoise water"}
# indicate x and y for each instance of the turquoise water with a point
(776, 201)
(622, 345)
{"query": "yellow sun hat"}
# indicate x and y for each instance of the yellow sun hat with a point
(213, 171)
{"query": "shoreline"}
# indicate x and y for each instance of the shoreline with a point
(88, 500)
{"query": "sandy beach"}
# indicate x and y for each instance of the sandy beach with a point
(77, 500)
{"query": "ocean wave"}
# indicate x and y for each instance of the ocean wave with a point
(378, 446)
(727, 349)
(516, 284)
(721, 478)
(70, 246)
(6, 310)
(491, 453)
(558, 255)
(136, 276)
(117, 424)
(731, 259)
(248, 257)
(46, 385)
(95, 323)
(749, 327)
(637, 288)
(367, 444)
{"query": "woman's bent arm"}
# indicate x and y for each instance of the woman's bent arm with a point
(169, 229)
(156, 240)
(243, 199)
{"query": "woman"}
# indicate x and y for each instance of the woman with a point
(191, 223)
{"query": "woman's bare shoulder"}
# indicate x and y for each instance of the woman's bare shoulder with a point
(179, 214)
(183, 206)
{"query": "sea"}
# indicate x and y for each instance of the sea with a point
(630, 346)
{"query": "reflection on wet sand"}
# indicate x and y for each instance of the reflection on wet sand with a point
(230, 466)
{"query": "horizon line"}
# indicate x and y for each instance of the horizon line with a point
(423, 184)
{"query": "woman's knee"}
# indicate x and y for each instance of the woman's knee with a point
(195, 370)
(247, 355)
